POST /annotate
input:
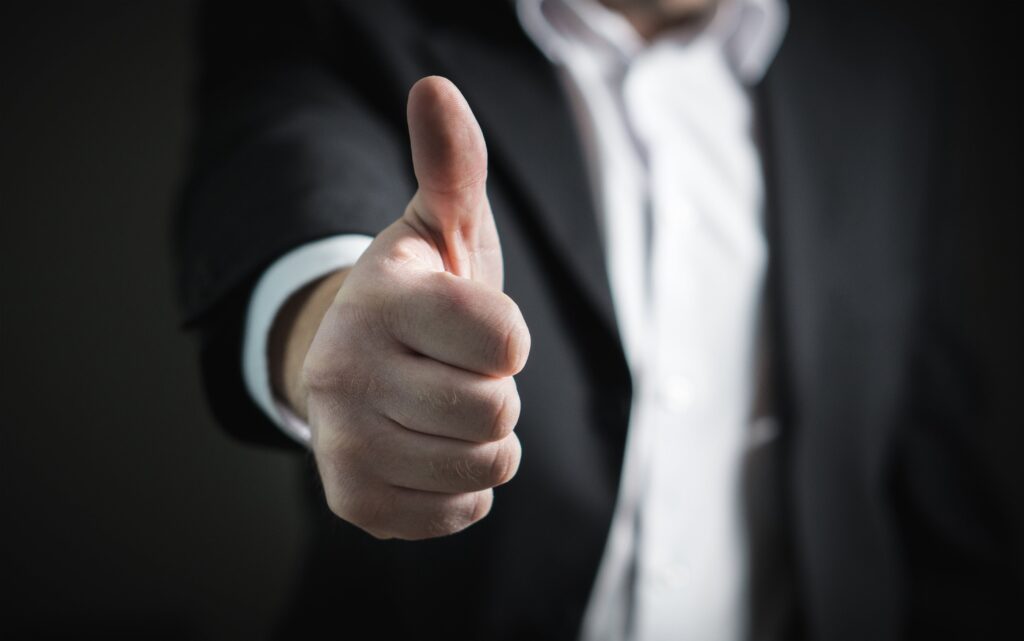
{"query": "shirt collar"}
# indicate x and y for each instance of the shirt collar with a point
(750, 31)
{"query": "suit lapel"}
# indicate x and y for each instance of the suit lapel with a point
(846, 164)
(532, 139)
(846, 159)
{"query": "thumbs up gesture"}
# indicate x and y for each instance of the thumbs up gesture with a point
(407, 383)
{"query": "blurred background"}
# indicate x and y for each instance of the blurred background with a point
(124, 511)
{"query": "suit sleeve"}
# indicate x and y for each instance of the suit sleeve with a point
(294, 143)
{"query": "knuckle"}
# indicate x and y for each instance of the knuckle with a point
(483, 467)
(517, 343)
(511, 339)
(503, 408)
(404, 249)
(457, 514)
(480, 505)
(504, 462)
(442, 523)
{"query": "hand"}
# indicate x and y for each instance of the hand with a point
(407, 384)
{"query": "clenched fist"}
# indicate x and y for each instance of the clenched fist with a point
(407, 381)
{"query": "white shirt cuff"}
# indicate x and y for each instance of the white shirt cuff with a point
(287, 275)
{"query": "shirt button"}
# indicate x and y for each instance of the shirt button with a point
(677, 393)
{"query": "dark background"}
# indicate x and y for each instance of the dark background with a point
(125, 511)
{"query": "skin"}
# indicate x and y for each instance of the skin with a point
(652, 17)
(403, 364)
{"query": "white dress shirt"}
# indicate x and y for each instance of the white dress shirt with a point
(671, 121)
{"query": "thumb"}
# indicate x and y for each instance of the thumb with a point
(449, 156)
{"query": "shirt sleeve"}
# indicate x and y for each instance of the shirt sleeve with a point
(283, 278)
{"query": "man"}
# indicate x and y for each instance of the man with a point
(701, 448)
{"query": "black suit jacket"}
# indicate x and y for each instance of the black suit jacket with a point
(890, 505)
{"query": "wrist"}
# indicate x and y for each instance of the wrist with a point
(291, 335)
